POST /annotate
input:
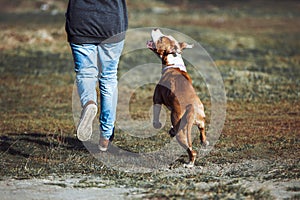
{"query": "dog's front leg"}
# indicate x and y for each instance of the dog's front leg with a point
(156, 112)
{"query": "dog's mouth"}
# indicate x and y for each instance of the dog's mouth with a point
(151, 45)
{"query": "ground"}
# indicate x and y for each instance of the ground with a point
(254, 45)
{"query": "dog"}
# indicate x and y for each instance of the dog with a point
(176, 92)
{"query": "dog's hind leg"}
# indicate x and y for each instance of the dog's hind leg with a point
(200, 122)
(190, 121)
(184, 135)
(201, 128)
(184, 138)
(192, 154)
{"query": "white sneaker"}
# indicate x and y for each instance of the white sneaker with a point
(85, 126)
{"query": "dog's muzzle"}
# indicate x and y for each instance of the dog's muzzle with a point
(150, 45)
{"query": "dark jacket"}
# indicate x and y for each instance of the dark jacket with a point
(93, 21)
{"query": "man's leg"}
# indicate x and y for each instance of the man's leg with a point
(85, 59)
(109, 55)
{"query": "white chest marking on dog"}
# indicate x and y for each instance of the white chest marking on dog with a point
(175, 62)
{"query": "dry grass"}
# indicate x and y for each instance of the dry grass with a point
(256, 49)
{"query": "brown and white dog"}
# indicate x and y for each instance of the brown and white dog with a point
(176, 92)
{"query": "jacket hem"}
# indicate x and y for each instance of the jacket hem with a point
(96, 40)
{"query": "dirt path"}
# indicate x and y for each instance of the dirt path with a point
(248, 179)
(61, 189)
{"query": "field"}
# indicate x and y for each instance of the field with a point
(255, 46)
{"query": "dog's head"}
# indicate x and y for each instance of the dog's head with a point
(164, 45)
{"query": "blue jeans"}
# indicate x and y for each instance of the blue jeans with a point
(98, 62)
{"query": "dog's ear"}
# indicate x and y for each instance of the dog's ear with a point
(184, 45)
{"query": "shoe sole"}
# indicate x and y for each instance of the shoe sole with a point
(85, 126)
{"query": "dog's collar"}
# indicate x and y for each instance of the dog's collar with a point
(180, 67)
(175, 61)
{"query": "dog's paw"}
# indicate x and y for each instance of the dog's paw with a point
(157, 125)
(172, 132)
(188, 165)
(205, 143)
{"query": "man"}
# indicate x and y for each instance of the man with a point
(96, 32)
